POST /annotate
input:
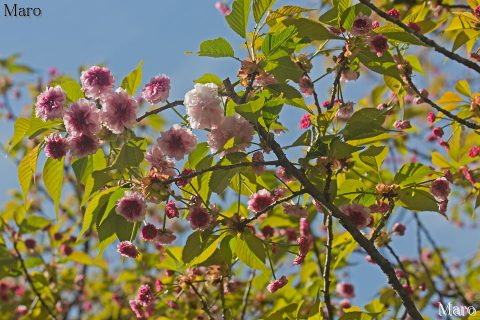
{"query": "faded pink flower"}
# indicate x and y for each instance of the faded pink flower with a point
(97, 82)
(127, 249)
(362, 25)
(306, 85)
(157, 90)
(132, 206)
(292, 209)
(260, 200)
(82, 117)
(299, 259)
(177, 142)
(349, 75)
(136, 308)
(357, 213)
(257, 166)
(345, 111)
(468, 175)
(283, 175)
(184, 181)
(399, 229)
(233, 127)
(158, 160)
(402, 124)
(149, 232)
(304, 245)
(223, 8)
(442, 206)
(415, 26)
(474, 151)
(378, 44)
(65, 249)
(199, 218)
(50, 103)
(423, 94)
(56, 146)
(165, 236)
(267, 231)
(171, 210)
(145, 295)
(278, 193)
(305, 122)
(440, 188)
(21, 310)
(275, 285)
(264, 79)
(476, 11)
(83, 145)
(375, 25)
(119, 111)
(345, 304)
(172, 304)
(304, 227)
(203, 106)
(345, 290)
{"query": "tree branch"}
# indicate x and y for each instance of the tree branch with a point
(204, 303)
(449, 54)
(30, 281)
(466, 123)
(160, 109)
(246, 295)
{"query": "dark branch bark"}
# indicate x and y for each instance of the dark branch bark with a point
(160, 109)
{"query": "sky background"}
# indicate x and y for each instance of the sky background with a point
(121, 33)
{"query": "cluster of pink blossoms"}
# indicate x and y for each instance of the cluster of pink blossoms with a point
(362, 27)
(84, 120)
(358, 214)
(440, 188)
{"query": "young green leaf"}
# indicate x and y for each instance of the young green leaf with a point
(53, 179)
(216, 48)
(238, 18)
(133, 80)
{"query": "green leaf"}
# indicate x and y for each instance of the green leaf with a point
(273, 42)
(133, 80)
(394, 32)
(417, 200)
(349, 15)
(463, 87)
(198, 154)
(216, 48)
(260, 7)
(341, 150)
(209, 78)
(94, 207)
(38, 126)
(285, 11)
(220, 180)
(53, 179)
(83, 258)
(374, 156)
(251, 110)
(412, 173)
(71, 87)
(250, 250)
(26, 169)
(33, 223)
(383, 65)
(83, 168)
(307, 28)
(238, 18)
(208, 251)
(20, 129)
(364, 123)
(131, 154)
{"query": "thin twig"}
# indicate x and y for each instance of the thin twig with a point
(383, 220)
(160, 109)
(30, 281)
(204, 303)
(466, 123)
(246, 295)
(328, 257)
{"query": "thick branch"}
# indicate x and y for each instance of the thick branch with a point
(383, 263)
(449, 54)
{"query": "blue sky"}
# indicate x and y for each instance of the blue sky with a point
(121, 33)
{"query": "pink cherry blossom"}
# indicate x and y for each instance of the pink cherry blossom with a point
(305, 122)
(145, 295)
(378, 44)
(275, 285)
(345, 290)
(233, 127)
(149, 232)
(127, 249)
(357, 213)
(97, 82)
(83, 145)
(132, 206)
(199, 218)
(56, 146)
(257, 166)
(171, 210)
(203, 106)
(260, 200)
(362, 25)
(50, 103)
(119, 111)
(159, 160)
(157, 90)
(82, 117)
(165, 236)
(177, 142)
(440, 188)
